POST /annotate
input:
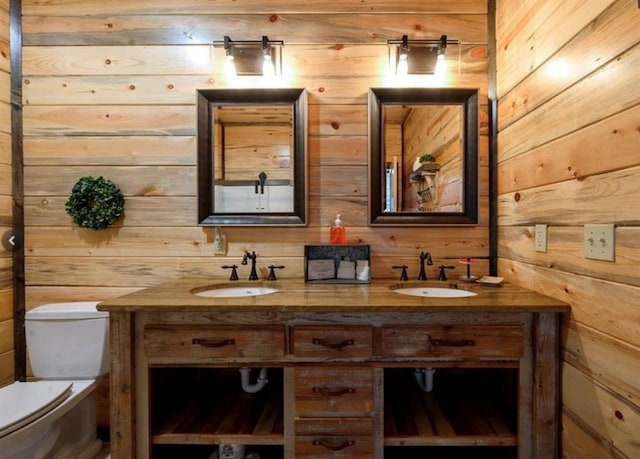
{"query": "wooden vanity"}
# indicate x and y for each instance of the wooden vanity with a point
(341, 363)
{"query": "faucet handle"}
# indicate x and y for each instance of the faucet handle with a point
(234, 271)
(442, 275)
(403, 275)
(272, 273)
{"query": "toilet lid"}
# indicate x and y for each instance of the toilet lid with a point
(23, 402)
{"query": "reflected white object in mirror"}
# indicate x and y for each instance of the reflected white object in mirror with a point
(252, 157)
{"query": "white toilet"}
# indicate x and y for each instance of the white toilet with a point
(54, 417)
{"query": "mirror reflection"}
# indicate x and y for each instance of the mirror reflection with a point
(252, 157)
(423, 155)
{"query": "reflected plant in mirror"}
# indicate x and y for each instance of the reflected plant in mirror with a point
(423, 161)
(252, 157)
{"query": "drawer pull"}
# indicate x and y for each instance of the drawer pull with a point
(333, 393)
(211, 343)
(334, 445)
(327, 344)
(451, 342)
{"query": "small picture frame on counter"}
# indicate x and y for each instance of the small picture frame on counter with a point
(337, 264)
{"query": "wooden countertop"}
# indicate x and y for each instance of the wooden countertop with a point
(297, 296)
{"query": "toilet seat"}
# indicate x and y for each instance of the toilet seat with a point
(23, 402)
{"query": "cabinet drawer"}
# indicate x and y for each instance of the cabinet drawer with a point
(334, 391)
(456, 341)
(332, 342)
(334, 438)
(204, 341)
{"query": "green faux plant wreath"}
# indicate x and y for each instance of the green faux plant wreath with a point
(94, 202)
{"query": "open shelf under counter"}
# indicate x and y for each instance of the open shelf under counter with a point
(448, 452)
(216, 410)
(461, 410)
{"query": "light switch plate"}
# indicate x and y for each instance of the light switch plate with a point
(541, 238)
(599, 242)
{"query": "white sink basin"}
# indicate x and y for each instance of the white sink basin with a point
(434, 292)
(234, 292)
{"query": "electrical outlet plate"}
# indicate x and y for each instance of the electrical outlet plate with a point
(599, 242)
(541, 238)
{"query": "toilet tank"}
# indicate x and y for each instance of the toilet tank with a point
(68, 340)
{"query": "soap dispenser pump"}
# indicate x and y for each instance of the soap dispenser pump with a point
(337, 233)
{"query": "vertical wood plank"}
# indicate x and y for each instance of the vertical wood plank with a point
(122, 381)
(545, 428)
(16, 215)
(525, 395)
(289, 413)
(378, 409)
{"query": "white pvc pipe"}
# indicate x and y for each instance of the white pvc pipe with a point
(424, 378)
(259, 384)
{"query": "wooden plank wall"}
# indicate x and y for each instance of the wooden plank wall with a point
(109, 89)
(6, 222)
(569, 155)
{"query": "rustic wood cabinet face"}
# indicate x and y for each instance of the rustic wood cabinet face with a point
(347, 387)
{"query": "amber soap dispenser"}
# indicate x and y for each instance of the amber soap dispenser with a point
(337, 233)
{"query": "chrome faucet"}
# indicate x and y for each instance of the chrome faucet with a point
(252, 256)
(424, 256)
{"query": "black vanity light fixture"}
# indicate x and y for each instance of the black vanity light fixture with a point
(252, 57)
(417, 57)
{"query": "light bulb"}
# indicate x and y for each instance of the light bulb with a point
(267, 67)
(230, 66)
(403, 66)
(441, 65)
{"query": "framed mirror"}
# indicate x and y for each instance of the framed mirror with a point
(423, 163)
(252, 157)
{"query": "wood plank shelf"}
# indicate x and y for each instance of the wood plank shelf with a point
(223, 414)
(458, 412)
(486, 452)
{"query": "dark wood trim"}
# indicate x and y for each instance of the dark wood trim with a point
(207, 98)
(546, 377)
(493, 141)
(468, 99)
(20, 361)
(122, 385)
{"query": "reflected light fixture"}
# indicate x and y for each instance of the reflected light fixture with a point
(252, 58)
(417, 57)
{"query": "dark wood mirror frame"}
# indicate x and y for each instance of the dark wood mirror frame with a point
(468, 99)
(207, 100)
